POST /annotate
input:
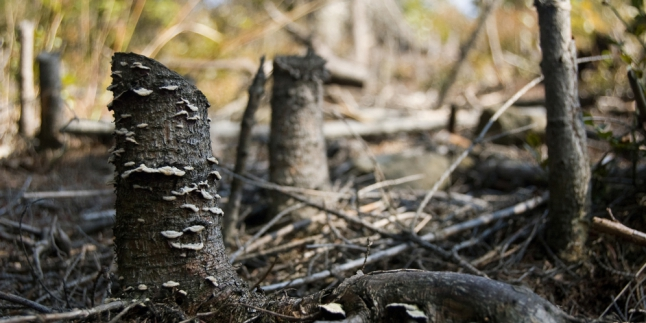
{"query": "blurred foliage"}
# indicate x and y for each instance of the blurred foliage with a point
(88, 32)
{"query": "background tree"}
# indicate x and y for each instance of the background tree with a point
(569, 171)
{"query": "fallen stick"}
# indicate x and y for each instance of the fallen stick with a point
(76, 314)
(66, 194)
(619, 230)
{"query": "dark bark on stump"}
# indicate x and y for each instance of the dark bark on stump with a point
(256, 92)
(166, 188)
(569, 175)
(28, 123)
(51, 103)
(297, 155)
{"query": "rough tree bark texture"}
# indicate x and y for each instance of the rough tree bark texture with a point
(566, 140)
(28, 123)
(168, 224)
(256, 92)
(297, 155)
(51, 103)
(168, 229)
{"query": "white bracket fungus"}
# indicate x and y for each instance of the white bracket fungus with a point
(194, 228)
(169, 198)
(204, 183)
(118, 152)
(128, 164)
(216, 174)
(191, 246)
(132, 140)
(142, 125)
(183, 292)
(194, 118)
(189, 168)
(111, 87)
(170, 234)
(170, 284)
(212, 280)
(123, 63)
(179, 126)
(139, 65)
(206, 195)
(192, 207)
(142, 287)
(213, 160)
(142, 91)
(185, 190)
(126, 115)
(169, 87)
(180, 113)
(122, 131)
(140, 220)
(214, 210)
(166, 170)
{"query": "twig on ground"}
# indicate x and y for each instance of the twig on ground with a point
(75, 314)
(122, 313)
(614, 299)
(443, 234)
(66, 194)
(390, 182)
(264, 229)
(619, 230)
(262, 278)
(275, 187)
(342, 215)
(25, 302)
(281, 248)
(282, 316)
(465, 153)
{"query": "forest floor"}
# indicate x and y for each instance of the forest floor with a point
(56, 245)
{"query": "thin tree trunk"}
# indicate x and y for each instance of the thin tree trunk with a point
(51, 103)
(232, 209)
(28, 122)
(569, 175)
(297, 155)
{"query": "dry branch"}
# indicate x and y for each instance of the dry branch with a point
(256, 92)
(619, 230)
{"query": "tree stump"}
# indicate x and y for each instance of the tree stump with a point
(297, 155)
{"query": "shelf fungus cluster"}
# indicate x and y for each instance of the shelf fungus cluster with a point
(193, 230)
